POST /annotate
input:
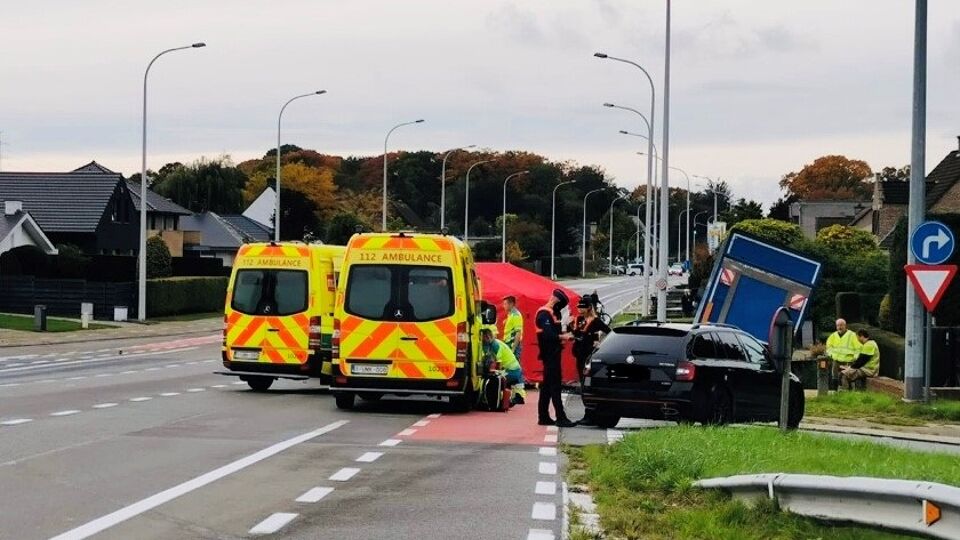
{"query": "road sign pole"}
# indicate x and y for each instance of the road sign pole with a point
(913, 361)
(929, 321)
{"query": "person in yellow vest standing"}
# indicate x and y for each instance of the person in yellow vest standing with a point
(842, 347)
(513, 326)
(866, 365)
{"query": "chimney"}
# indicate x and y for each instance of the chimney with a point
(12, 207)
(958, 141)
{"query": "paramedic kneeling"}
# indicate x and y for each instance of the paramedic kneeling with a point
(499, 350)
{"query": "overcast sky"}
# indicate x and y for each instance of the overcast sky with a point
(759, 87)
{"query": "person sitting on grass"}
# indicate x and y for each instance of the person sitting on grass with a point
(866, 365)
(498, 350)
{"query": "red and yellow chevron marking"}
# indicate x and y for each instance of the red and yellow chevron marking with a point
(273, 256)
(429, 352)
(281, 340)
(417, 249)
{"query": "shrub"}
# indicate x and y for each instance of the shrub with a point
(342, 226)
(884, 317)
(158, 258)
(848, 307)
(774, 231)
(70, 262)
(24, 260)
(845, 240)
(177, 296)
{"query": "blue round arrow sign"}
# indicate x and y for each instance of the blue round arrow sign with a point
(932, 243)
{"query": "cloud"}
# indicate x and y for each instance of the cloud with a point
(558, 30)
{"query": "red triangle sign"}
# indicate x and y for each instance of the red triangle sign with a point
(930, 281)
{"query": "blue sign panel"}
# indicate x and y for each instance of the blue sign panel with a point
(932, 243)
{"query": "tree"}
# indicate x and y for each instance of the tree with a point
(514, 252)
(284, 150)
(313, 182)
(159, 262)
(205, 186)
(771, 230)
(846, 240)
(781, 209)
(342, 226)
(742, 210)
(892, 173)
(831, 177)
(298, 216)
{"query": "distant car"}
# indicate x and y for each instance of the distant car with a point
(635, 269)
(676, 269)
(688, 373)
(619, 269)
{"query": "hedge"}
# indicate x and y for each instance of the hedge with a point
(848, 307)
(178, 296)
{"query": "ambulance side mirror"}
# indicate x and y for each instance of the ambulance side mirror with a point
(488, 313)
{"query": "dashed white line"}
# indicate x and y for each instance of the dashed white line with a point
(273, 523)
(128, 372)
(421, 423)
(141, 398)
(552, 429)
(172, 365)
(9, 385)
(170, 394)
(548, 468)
(15, 364)
(101, 375)
(433, 416)
(548, 451)
(39, 362)
(406, 433)
(540, 534)
(65, 413)
(195, 390)
(546, 488)
(77, 378)
(344, 474)
(314, 495)
(544, 511)
(238, 382)
(16, 421)
(152, 369)
(219, 386)
(550, 438)
(369, 457)
(191, 363)
(105, 405)
(390, 442)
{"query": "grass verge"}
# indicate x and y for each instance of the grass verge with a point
(643, 485)
(25, 323)
(188, 317)
(883, 409)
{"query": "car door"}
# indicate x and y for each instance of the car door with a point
(740, 375)
(766, 378)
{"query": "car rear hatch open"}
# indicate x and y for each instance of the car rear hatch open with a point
(638, 358)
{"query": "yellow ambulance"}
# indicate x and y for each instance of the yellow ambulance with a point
(278, 316)
(408, 319)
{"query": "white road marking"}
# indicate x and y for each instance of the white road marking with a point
(548, 451)
(548, 468)
(141, 398)
(546, 488)
(195, 390)
(550, 438)
(421, 423)
(152, 369)
(144, 505)
(344, 474)
(171, 365)
(552, 429)
(16, 421)
(540, 534)
(544, 511)
(128, 372)
(99, 375)
(219, 386)
(97, 360)
(390, 442)
(191, 363)
(273, 523)
(103, 356)
(614, 435)
(9, 385)
(369, 457)
(314, 495)
(16, 364)
(34, 363)
(18, 357)
(77, 378)
(239, 382)
(170, 394)
(46, 381)
(65, 413)
(406, 433)
(433, 416)
(105, 405)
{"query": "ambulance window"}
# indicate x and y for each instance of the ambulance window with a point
(368, 292)
(270, 292)
(430, 293)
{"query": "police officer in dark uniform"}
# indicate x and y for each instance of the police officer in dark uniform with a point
(549, 339)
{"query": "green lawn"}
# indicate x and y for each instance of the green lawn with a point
(188, 317)
(25, 323)
(643, 485)
(882, 408)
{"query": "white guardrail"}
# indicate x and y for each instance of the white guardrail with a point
(926, 508)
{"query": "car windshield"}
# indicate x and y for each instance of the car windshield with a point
(399, 292)
(270, 292)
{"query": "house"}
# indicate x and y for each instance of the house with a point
(211, 235)
(891, 199)
(812, 216)
(18, 228)
(163, 215)
(262, 208)
(91, 210)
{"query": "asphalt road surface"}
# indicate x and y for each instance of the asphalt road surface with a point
(618, 292)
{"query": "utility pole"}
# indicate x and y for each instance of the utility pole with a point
(914, 351)
(665, 184)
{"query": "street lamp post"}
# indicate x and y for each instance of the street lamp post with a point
(553, 228)
(503, 239)
(142, 271)
(383, 224)
(276, 187)
(711, 190)
(665, 182)
(610, 264)
(466, 200)
(583, 256)
(443, 184)
(679, 222)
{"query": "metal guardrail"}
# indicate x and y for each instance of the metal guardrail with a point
(926, 508)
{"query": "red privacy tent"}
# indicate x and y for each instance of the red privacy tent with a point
(532, 291)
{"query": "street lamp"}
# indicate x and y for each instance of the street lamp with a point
(583, 258)
(503, 239)
(695, 216)
(651, 223)
(142, 273)
(553, 228)
(687, 176)
(443, 184)
(713, 190)
(276, 211)
(385, 139)
(466, 200)
(610, 264)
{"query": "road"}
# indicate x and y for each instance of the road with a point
(139, 439)
(618, 292)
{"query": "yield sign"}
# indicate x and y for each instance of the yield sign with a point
(930, 282)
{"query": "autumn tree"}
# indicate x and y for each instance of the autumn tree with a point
(315, 183)
(829, 178)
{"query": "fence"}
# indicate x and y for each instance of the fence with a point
(19, 294)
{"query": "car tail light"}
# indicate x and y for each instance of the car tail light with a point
(314, 333)
(685, 371)
(453, 383)
(335, 339)
(463, 341)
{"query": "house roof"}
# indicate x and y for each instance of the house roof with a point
(155, 201)
(62, 202)
(943, 177)
(8, 223)
(895, 191)
(23, 220)
(226, 232)
(886, 243)
(248, 228)
(94, 167)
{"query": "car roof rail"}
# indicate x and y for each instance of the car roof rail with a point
(715, 324)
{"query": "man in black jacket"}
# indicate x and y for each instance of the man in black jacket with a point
(549, 340)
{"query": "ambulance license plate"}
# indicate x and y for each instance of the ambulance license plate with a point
(246, 355)
(369, 369)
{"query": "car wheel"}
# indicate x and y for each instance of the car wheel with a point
(606, 421)
(345, 400)
(260, 384)
(720, 412)
(797, 405)
(371, 397)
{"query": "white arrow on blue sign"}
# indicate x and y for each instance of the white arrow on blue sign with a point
(932, 243)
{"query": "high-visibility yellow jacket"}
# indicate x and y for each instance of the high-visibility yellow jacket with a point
(513, 329)
(845, 348)
(873, 350)
(503, 354)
